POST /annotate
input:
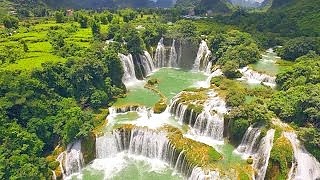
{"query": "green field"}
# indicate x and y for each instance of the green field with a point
(34, 33)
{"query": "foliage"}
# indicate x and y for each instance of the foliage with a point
(96, 28)
(10, 22)
(240, 118)
(297, 47)
(128, 14)
(59, 16)
(186, 29)
(306, 71)
(280, 160)
(230, 69)
(234, 92)
(233, 50)
(310, 136)
(11, 54)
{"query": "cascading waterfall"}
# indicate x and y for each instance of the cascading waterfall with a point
(147, 63)
(148, 143)
(173, 58)
(257, 78)
(71, 160)
(128, 67)
(152, 144)
(249, 142)
(210, 121)
(160, 56)
(199, 174)
(178, 109)
(305, 166)
(202, 61)
(261, 157)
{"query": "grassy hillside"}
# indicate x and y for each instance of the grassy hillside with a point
(40, 50)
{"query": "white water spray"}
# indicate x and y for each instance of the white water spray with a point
(305, 166)
(202, 61)
(160, 56)
(261, 158)
(254, 77)
(173, 58)
(129, 75)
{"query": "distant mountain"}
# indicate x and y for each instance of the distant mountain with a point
(205, 6)
(246, 3)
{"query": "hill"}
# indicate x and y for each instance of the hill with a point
(206, 6)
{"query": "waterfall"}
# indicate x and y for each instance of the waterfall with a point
(173, 58)
(199, 174)
(147, 63)
(71, 160)
(249, 142)
(128, 67)
(257, 78)
(210, 121)
(178, 109)
(203, 58)
(160, 56)
(261, 158)
(153, 144)
(305, 166)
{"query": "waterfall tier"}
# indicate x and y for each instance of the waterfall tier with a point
(149, 143)
(202, 61)
(249, 142)
(209, 122)
(173, 57)
(261, 157)
(160, 56)
(305, 166)
(258, 150)
(254, 77)
(147, 63)
(71, 160)
(128, 67)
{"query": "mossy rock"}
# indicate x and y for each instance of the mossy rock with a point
(159, 107)
(280, 160)
(153, 82)
(196, 108)
(196, 152)
(250, 160)
(58, 173)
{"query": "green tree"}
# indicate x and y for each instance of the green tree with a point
(95, 27)
(10, 22)
(59, 16)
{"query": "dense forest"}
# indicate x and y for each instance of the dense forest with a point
(61, 69)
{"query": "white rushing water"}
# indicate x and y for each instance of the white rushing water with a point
(129, 75)
(160, 55)
(202, 61)
(210, 121)
(254, 77)
(71, 160)
(173, 58)
(147, 63)
(249, 142)
(143, 143)
(261, 157)
(305, 166)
